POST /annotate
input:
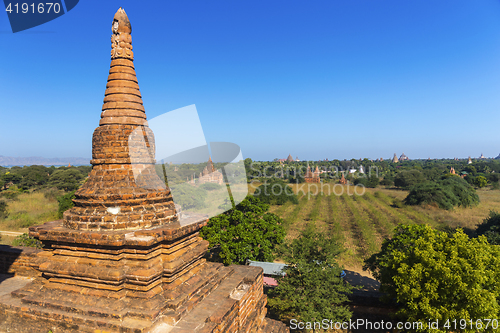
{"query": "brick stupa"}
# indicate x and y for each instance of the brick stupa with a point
(120, 260)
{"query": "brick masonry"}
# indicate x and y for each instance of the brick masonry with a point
(121, 260)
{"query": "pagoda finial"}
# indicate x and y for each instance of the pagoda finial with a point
(121, 41)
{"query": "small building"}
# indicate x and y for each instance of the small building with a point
(395, 159)
(271, 271)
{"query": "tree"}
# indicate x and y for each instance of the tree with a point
(188, 196)
(466, 195)
(481, 181)
(446, 193)
(431, 193)
(65, 203)
(3, 209)
(313, 288)
(246, 231)
(275, 192)
(68, 180)
(407, 178)
(490, 228)
(433, 274)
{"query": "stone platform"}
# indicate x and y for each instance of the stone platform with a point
(149, 280)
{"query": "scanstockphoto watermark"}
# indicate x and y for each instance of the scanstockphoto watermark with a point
(331, 172)
(309, 189)
(327, 324)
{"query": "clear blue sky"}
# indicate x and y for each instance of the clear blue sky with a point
(317, 79)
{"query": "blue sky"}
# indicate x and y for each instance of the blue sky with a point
(317, 79)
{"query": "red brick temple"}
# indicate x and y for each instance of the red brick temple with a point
(120, 260)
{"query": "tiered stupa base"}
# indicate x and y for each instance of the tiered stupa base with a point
(134, 281)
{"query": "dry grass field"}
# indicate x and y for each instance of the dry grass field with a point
(29, 209)
(361, 218)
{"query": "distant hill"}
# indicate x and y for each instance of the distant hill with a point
(21, 161)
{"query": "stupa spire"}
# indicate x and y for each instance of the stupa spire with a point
(122, 99)
(123, 190)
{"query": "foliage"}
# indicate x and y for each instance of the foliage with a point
(432, 274)
(481, 181)
(466, 195)
(312, 289)
(275, 192)
(431, 193)
(408, 178)
(490, 228)
(371, 181)
(3, 209)
(65, 202)
(447, 193)
(247, 231)
(188, 196)
(67, 180)
(211, 186)
(26, 240)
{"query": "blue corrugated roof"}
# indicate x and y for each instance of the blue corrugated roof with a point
(270, 268)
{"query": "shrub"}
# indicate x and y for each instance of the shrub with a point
(188, 196)
(490, 228)
(386, 182)
(211, 186)
(26, 240)
(466, 195)
(481, 181)
(51, 193)
(408, 178)
(3, 209)
(429, 193)
(275, 192)
(65, 203)
(11, 193)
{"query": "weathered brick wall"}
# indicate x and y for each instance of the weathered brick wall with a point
(16, 260)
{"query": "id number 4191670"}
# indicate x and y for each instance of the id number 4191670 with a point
(33, 8)
(479, 324)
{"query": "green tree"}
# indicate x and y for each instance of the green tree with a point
(3, 209)
(490, 228)
(275, 192)
(313, 288)
(481, 181)
(65, 203)
(67, 180)
(433, 274)
(466, 194)
(247, 231)
(407, 178)
(431, 193)
(188, 196)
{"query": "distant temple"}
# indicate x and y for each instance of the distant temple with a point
(403, 157)
(452, 171)
(361, 169)
(482, 156)
(297, 159)
(469, 161)
(289, 158)
(395, 159)
(343, 181)
(312, 177)
(210, 175)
